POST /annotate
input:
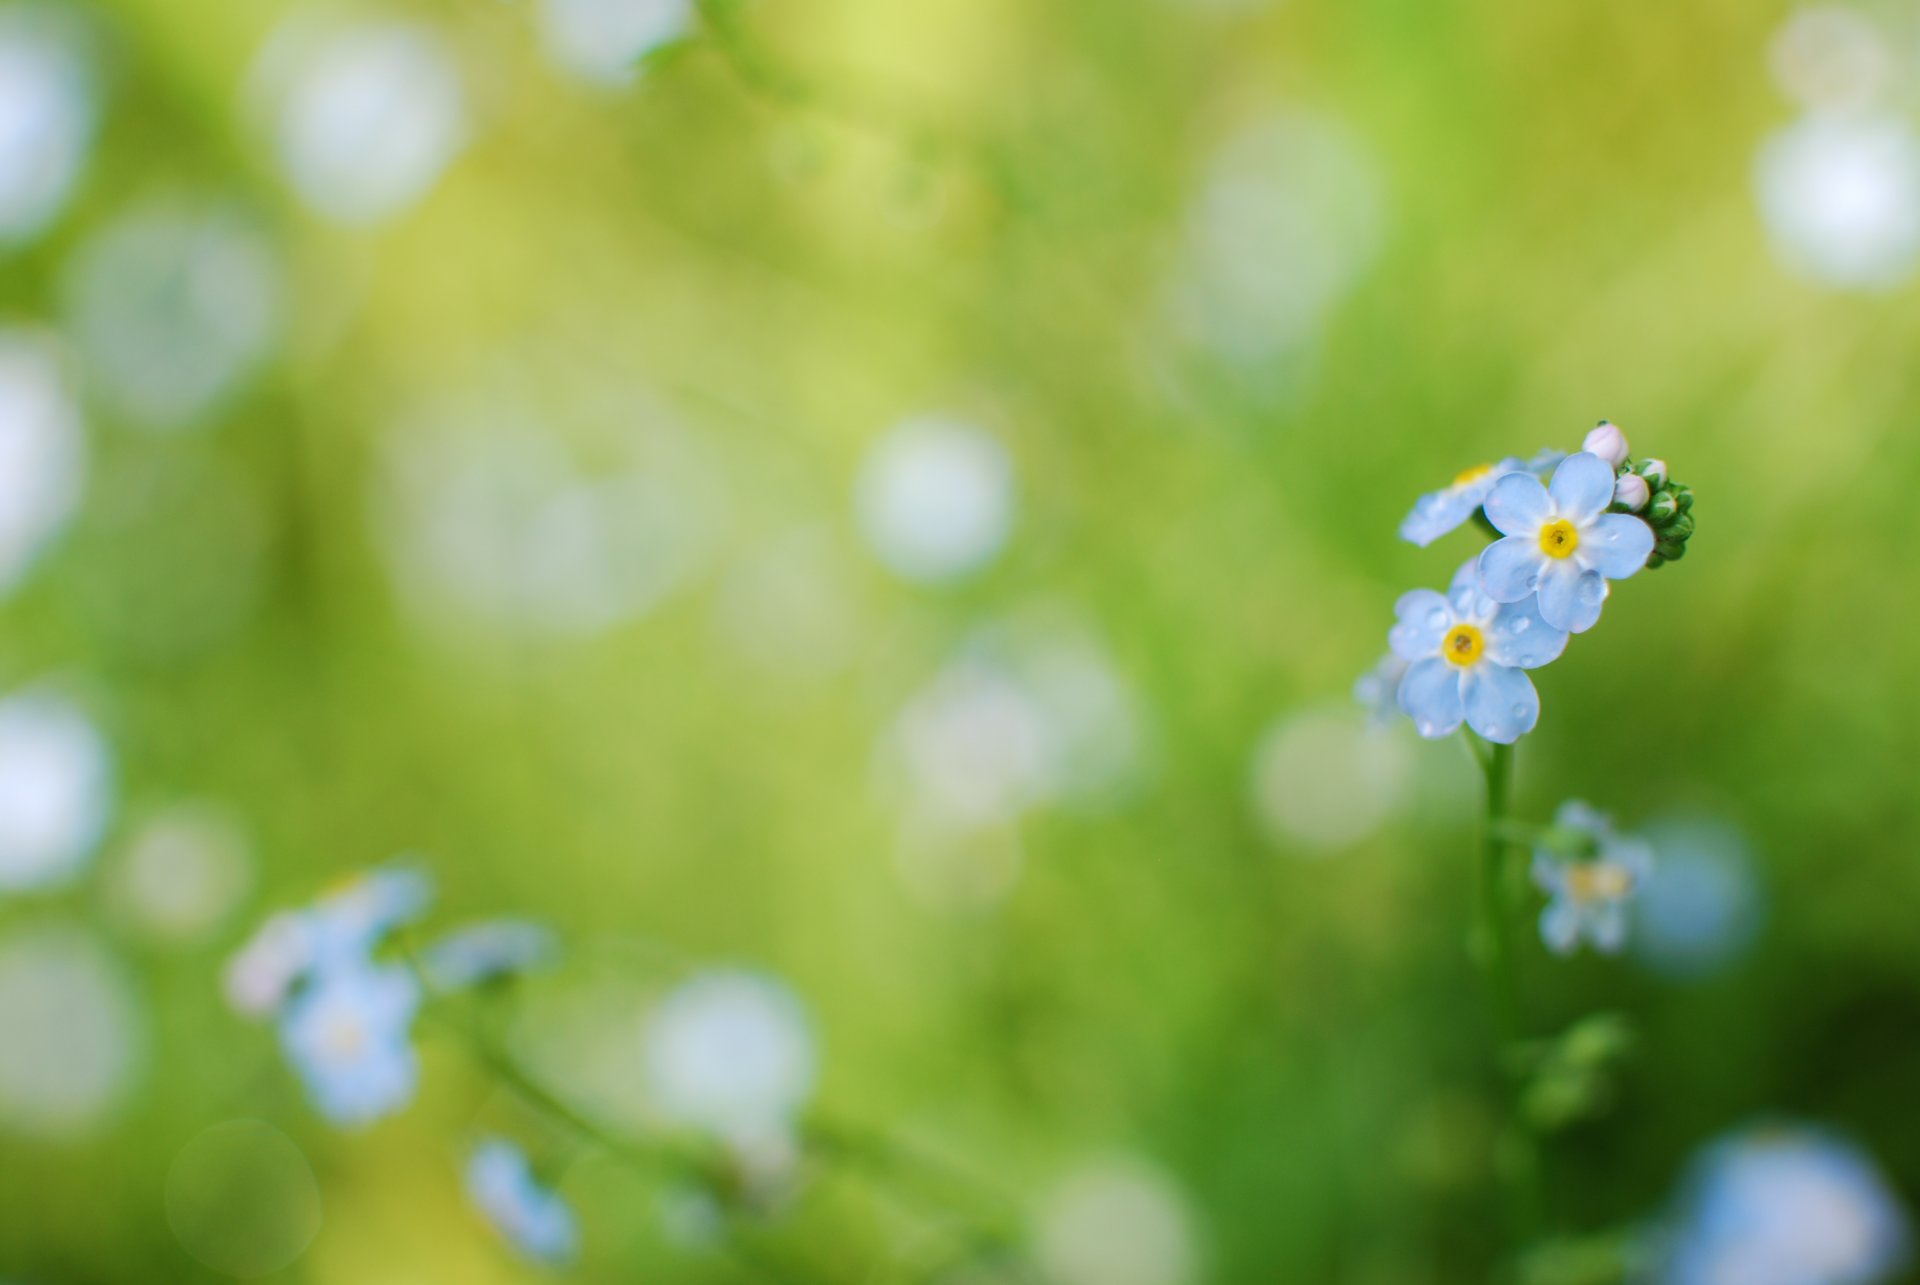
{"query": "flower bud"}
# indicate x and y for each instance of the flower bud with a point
(1663, 508)
(1683, 495)
(1680, 528)
(1630, 492)
(1608, 442)
(1655, 471)
(1671, 550)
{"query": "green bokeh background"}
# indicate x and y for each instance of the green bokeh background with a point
(872, 210)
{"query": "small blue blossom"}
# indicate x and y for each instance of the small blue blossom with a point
(353, 918)
(1438, 512)
(532, 1218)
(1782, 1205)
(342, 927)
(1561, 542)
(486, 952)
(1378, 690)
(1588, 894)
(1465, 653)
(346, 1033)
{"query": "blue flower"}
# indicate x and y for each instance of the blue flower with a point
(1561, 542)
(1465, 653)
(354, 917)
(485, 952)
(346, 1034)
(532, 1218)
(1588, 893)
(1438, 512)
(1781, 1205)
(1378, 690)
(342, 927)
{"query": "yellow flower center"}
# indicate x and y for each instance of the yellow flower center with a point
(1463, 645)
(1467, 476)
(344, 1037)
(1598, 881)
(1558, 539)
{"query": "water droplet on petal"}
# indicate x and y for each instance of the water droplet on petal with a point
(1521, 624)
(1520, 711)
(1437, 619)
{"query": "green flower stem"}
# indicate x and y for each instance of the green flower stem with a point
(1517, 1157)
(1496, 927)
(975, 1244)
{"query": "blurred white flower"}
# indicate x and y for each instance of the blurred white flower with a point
(56, 790)
(1116, 1223)
(42, 451)
(1030, 711)
(367, 116)
(1831, 57)
(935, 498)
(173, 304)
(507, 521)
(731, 1052)
(1780, 1205)
(1701, 908)
(1324, 780)
(72, 1033)
(975, 745)
(1841, 199)
(184, 871)
(602, 41)
(47, 116)
(1288, 217)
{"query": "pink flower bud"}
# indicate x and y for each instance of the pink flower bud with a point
(1631, 492)
(1608, 442)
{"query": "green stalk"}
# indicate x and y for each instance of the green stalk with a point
(1518, 1159)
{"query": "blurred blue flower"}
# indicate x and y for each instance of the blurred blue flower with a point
(1438, 512)
(1782, 1205)
(533, 1219)
(1378, 690)
(487, 951)
(356, 916)
(1703, 907)
(1561, 542)
(347, 1035)
(1465, 654)
(1588, 891)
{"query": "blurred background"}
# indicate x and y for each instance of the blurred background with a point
(895, 498)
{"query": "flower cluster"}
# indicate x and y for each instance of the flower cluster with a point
(729, 1054)
(1589, 872)
(1565, 526)
(345, 1016)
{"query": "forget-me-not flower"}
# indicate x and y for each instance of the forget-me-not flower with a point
(532, 1218)
(1465, 655)
(357, 915)
(1561, 542)
(485, 952)
(1588, 893)
(347, 1034)
(1784, 1205)
(1378, 690)
(1438, 512)
(342, 928)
